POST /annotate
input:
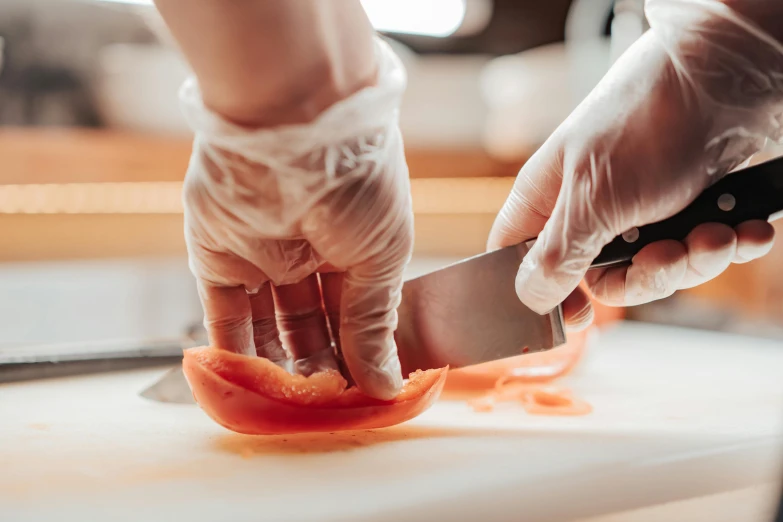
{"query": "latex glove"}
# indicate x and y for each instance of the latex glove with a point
(281, 220)
(695, 97)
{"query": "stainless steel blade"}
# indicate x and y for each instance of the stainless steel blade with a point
(464, 314)
(20, 363)
(469, 313)
(172, 387)
(94, 351)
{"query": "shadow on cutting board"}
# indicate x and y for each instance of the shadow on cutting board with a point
(248, 446)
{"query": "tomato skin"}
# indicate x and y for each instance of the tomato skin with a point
(274, 402)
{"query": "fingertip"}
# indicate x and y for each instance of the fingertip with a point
(524, 212)
(381, 381)
(494, 238)
(755, 239)
(502, 234)
(711, 248)
(532, 297)
(539, 292)
(577, 311)
(317, 362)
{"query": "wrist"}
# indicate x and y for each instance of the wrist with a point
(298, 96)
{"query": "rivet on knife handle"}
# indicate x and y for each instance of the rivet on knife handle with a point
(752, 193)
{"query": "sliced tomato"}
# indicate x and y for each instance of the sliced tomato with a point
(254, 396)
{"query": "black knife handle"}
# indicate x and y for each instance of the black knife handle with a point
(752, 193)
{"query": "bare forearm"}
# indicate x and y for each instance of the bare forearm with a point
(271, 62)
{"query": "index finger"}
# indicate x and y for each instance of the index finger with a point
(227, 317)
(530, 203)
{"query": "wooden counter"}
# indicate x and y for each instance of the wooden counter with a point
(68, 156)
(456, 194)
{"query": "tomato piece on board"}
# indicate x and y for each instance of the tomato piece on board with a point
(254, 396)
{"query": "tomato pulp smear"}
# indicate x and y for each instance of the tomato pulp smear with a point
(252, 395)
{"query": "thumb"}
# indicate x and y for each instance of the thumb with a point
(571, 239)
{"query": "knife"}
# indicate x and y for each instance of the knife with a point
(468, 313)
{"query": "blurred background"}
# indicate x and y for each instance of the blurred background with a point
(94, 150)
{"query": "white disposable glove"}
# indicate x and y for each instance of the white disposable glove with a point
(286, 226)
(693, 99)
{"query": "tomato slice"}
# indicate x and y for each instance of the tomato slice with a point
(254, 396)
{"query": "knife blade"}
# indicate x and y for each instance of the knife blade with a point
(468, 313)
(21, 363)
(171, 388)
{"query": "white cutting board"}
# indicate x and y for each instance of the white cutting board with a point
(678, 414)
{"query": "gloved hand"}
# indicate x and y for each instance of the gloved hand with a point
(286, 226)
(693, 99)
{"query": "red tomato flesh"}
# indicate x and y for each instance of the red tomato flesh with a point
(254, 396)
